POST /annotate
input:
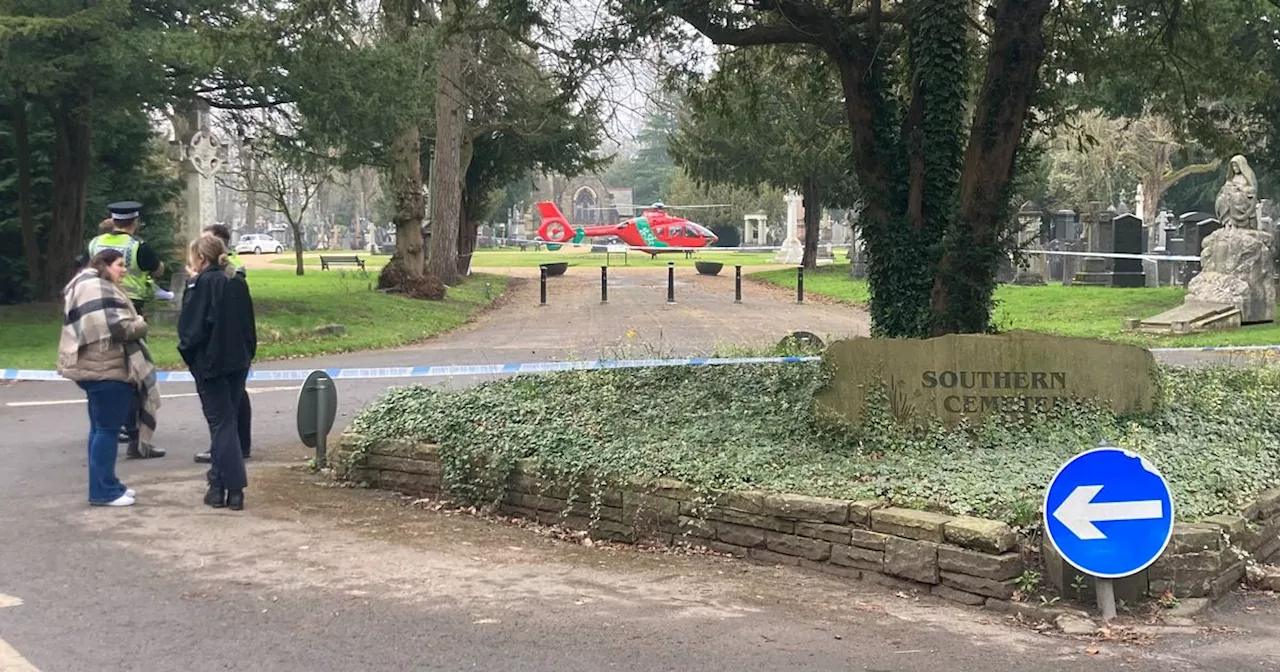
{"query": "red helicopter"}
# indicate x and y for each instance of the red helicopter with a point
(653, 232)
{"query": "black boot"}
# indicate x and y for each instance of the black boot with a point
(134, 451)
(235, 500)
(217, 498)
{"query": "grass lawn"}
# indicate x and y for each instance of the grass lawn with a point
(581, 256)
(1095, 312)
(288, 308)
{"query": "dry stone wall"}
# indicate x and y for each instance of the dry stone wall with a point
(968, 560)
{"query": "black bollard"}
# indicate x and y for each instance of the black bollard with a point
(800, 285)
(737, 284)
(671, 282)
(543, 300)
(604, 284)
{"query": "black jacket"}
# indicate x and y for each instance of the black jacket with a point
(217, 332)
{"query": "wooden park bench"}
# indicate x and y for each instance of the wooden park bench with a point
(349, 259)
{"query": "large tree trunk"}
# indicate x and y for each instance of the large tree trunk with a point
(1154, 186)
(812, 195)
(72, 164)
(406, 160)
(446, 171)
(966, 275)
(469, 220)
(26, 220)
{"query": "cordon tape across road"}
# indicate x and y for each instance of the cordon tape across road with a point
(444, 371)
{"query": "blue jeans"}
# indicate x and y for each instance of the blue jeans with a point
(109, 402)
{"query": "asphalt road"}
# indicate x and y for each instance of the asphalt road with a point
(314, 577)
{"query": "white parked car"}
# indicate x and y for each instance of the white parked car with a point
(258, 243)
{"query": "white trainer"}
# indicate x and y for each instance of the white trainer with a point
(122, 500)
(130, 493)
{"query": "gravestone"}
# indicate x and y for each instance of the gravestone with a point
(858, 259)
(167, 312)
(1065, 225)
(792, 251)
(972, 376)
(1237, 267)
(1236, 282)
(1100, 237)
(1055, 261)
(1128, 238)
(755, 230)
(1071, 263)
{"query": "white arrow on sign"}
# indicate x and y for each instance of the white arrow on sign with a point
(1078, 512)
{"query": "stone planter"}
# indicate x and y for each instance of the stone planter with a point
(708, 267)
(557, 268)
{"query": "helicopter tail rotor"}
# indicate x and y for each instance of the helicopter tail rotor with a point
(555, 228)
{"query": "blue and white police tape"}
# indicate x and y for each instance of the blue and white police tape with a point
(443, 371)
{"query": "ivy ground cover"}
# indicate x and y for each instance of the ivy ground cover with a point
(1216, 438)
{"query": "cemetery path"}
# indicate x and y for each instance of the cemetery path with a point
(321, 578)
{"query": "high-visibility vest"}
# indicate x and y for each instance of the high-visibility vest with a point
(135, 284)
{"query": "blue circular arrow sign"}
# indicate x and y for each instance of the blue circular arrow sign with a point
(1109, 513)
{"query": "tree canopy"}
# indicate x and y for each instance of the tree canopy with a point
(771, 115)
(941, 97)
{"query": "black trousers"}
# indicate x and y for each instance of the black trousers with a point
(220, 398)
(244, 424)
(130, 427)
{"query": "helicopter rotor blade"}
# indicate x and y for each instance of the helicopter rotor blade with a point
(665, 206)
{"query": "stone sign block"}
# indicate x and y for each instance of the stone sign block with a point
(975, 375)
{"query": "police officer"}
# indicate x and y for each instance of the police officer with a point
(139, 261)
(244, 414)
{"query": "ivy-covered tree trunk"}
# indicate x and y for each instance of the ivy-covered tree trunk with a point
(405, 172)
(72, 164)
(26, 219)
(812, 195)
(935, 202)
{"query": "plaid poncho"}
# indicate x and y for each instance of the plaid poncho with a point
(93, 313)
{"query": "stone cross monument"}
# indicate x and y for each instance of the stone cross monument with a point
(202, 159)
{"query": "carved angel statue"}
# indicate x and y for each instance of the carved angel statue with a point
(1237, 203)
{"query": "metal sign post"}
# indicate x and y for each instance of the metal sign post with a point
(1109, 513)
(317, 409)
